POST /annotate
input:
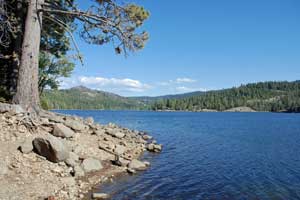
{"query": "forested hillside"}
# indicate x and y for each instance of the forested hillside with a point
(264, 96)
(84, 98)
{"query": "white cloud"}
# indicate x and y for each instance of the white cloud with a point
(107, 84)
(183, 89)
(176, 81)
(185, 80)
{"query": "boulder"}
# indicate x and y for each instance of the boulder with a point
(137, 165)
(76, 125)
(14, 108)
(51, 148)
(62, 131)
(100, 196)
(26, 146)
(91, 164)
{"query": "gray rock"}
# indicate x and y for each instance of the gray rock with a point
(78, 171)
(51, 148)
(131, 171)
(157, 148)
(72, 160)
(137, 165)
(5, 107)
(150, 147)
(99, 132)
(147, 163)
(61, 130)
(91, 164)
(100, 196)
(26, 146)
(119, 135)
(3, 169)
(154, 147)
(76, 125)
(147, 137)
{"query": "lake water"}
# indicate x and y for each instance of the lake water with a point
(212, 155)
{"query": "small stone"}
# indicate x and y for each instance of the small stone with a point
(137, 165)
(69, 181)
(119, 135)
(147, 137)
(131, 171)
(89, 120)
(147, 163)
(91, 164)
(99, 132)
(26, 146)
(100, 196)
(78, 171)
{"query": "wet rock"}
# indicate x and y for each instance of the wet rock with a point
(26, 146)
(100, 196)
(51, 148)
(154, 148)
(62, 131)
(147, 163)
(131, 171)
(147, 137)
(91, 164)
(137, 165)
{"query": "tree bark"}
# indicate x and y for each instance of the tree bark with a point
(27, 94)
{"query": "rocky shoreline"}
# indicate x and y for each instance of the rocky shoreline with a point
(58, 157)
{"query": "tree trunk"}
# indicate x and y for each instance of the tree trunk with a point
(27, 94)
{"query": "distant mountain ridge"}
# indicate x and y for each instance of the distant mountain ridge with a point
(274, 96)
(81, 97)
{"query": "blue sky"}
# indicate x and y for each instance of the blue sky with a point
(200, 45)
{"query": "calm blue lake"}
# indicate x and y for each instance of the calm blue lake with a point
(212, 155)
